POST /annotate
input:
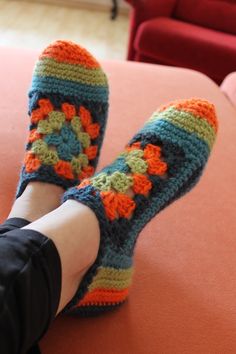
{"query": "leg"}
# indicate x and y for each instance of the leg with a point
(74, 229)
(39, 275)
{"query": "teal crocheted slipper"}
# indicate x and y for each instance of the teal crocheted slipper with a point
(68, 106)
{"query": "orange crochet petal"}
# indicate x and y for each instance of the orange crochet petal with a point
(93, 130)
(125, 205)
(85, 116)
(134, 146)
(91, 151)
(84, 183)
(151, 151)
(141, 184)
(156, 166)
(104, 296)
(31, 162)
(45, 106)
(86, 172)
(34, 135)
(64, 169)
(37, 115)
(69, 110)
(110, 203)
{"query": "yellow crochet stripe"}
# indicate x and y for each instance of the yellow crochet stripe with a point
(71, 72)
(112, 278)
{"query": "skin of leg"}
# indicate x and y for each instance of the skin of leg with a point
(38, 199)
(74, 229)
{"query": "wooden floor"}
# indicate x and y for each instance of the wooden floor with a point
(34, 25)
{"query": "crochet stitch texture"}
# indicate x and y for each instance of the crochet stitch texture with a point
(163, 161)
(68, 106)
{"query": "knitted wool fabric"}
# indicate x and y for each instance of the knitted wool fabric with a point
(68, 105)
(163, 161)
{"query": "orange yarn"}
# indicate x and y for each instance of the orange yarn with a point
(31, 162)
(36, 115)
(86, 172)
(68, 52)
(156, 167)
(151, 151)
(134, 146)
(93, 130)
(104, 296)
(200, 108)
(125, 205)
(69, 110)
(63, 168)
(34, 135)
(141, 185)
(45, 107)
(84, 183)
(117, 204)
(110, 203)
(91, 151)
(85, 117)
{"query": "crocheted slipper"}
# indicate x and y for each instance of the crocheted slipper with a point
(162, 162)
(68, 105)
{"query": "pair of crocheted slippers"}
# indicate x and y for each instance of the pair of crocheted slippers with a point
(68, 106)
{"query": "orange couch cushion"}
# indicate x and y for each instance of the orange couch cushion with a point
(183, 294)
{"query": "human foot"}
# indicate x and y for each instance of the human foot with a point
(162, 162)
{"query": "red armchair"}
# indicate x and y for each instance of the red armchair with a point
(196, 34)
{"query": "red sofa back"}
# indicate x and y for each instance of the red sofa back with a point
(216, 14)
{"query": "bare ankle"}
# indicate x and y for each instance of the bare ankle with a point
(37, 200)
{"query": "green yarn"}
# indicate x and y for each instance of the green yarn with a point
(47, 156)
(84, 138)
(76, 165)
(83, 159)
(191, 123)
(71, 72)
(136, 164)
(121, 182)
(54, 122)
(39, 147)
(76, 124)
(102, 182)
(135, 153)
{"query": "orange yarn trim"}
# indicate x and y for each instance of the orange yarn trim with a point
(85, 117)
(151, 151)
(68, 52)
(141, 185)
(63, 168)
(31, 162)
(34, 135)
(69, 110)
(104, 296)
(91, 151)
(156, 167)
(93, 130)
